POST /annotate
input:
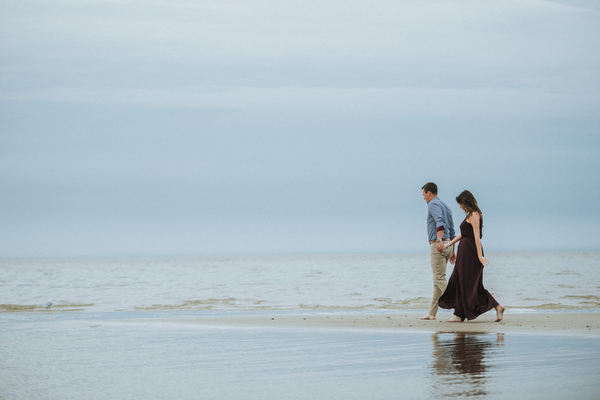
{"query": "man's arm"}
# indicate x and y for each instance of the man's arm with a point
(440, 236)
(438, 217)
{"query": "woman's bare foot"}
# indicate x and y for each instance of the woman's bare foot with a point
(456, 319)
(499, 313)
(428, 316)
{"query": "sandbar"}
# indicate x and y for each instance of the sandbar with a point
(571, 323)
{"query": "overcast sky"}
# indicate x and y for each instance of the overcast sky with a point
(155, 127)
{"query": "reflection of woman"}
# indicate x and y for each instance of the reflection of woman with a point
(465, 292)
(463, 363)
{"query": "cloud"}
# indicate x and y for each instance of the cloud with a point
(229, 126)
(308, 44)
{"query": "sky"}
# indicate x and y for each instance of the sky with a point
(164, 128)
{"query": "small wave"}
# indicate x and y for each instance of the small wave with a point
(586, 301)
(518, 310)
(17, 308)
(320, 307)
(381, 303)
(580, 297)
(558, 306)
(208, 304)
(567, 272)
(403, 304)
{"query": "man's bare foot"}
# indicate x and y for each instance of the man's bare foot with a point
(456, 319)
(499, 313)
(429, 317)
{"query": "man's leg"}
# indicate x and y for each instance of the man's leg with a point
(439, 261)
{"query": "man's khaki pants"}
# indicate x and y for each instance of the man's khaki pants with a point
(439, 261)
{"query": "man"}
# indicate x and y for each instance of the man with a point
(440, 229)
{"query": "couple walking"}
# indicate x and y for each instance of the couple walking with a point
(464, 291)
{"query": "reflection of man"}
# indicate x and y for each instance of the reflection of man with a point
(440, 228)
(463, 363)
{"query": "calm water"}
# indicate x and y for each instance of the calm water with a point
(533, 281)
(97, 341)
(119, 355)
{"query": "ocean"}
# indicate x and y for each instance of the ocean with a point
(112, 332)
(520, 281)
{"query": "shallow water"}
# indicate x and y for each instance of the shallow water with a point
(96, 342)
(120, 355)
(532, 281)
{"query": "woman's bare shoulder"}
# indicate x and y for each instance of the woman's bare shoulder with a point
(473, 217)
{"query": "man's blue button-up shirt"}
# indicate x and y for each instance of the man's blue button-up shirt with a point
(438, 215)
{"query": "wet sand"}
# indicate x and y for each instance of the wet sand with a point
(536, 323)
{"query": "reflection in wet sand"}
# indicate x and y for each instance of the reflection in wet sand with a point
(461, 364)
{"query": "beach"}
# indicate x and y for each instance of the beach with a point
(294, 327)
(234, 200)
(531, 323)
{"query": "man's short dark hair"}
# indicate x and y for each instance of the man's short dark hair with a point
(430, 187)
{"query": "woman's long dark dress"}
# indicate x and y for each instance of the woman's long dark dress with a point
(465, 292)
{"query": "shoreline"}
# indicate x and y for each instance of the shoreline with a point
(587, 324)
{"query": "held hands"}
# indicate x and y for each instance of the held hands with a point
(441, 247)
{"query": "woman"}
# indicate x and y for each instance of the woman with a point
(465, 292)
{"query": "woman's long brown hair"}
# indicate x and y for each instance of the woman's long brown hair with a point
(467, 200)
